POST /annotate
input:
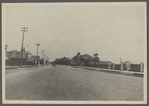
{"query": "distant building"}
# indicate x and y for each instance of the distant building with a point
(64, 61)
(29, 55)
(34, 58)
(105, 62)
(17, 54)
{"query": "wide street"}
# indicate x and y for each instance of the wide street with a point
(70, 83)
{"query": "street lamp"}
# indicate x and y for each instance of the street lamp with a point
(37, 51)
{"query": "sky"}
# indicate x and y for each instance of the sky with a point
(113, 31)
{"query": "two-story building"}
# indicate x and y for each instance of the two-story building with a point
(17, 54)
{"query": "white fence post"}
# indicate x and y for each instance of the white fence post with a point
(122, 66)
(109, 66)
(141, 67)
(128, 65)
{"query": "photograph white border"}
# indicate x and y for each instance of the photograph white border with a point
(4, 101)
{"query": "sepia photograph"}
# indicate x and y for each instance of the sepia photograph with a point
(74, 53)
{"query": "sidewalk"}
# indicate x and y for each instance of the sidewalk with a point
(16, 67)
(114, 71)
(11, 67)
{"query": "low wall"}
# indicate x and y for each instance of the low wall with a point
(103, 66)
(117, 67)
(135, 67)
(124, 67)
(17, 61)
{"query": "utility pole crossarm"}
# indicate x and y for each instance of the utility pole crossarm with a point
(25, 30)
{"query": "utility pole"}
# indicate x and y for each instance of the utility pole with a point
(37, 51)
(42, 58)
(24, 29)
(42, 54)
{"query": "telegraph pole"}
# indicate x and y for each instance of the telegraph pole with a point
(24, 29)
(42, 58)
(37, 51)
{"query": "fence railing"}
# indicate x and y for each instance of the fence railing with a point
(123, 67)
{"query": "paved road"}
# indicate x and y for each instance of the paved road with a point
(68, 83)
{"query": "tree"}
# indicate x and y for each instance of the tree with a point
(78, 53)
(96, 54)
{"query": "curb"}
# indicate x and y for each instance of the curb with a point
(130, 73)
(28, 66)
